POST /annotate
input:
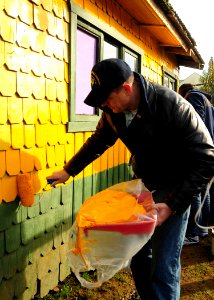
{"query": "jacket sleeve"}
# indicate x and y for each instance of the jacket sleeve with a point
(200, 152)
(103, 138)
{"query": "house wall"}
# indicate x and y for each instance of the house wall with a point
(34, 109)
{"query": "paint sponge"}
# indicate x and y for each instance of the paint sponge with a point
(25, 189)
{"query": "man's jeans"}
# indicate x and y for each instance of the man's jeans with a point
(156, 267)
(192, 228)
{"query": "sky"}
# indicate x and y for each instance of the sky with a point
(198, 17)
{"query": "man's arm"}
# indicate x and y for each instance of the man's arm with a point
(103, 138)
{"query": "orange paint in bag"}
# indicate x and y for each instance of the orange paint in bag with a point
(106, 207)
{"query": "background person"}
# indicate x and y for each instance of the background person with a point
(172, 153)
(201, 103)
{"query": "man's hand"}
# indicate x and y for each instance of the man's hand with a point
(163, 212)
(58, 177)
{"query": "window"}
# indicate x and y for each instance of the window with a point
(110, 51)
(86, 58)
(170, 80)
(131, 59)
(91, 42)
(86, 43)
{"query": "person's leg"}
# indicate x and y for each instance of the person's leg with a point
(211, 219)
(156, 272)
(192, 229)
(167, 244)
(141, 270)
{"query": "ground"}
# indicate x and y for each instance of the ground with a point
(197, 280)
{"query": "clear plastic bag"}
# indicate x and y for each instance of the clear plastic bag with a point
(99, 251)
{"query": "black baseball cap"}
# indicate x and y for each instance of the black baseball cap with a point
(106, 75)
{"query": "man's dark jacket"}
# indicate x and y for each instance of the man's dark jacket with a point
(171, 148)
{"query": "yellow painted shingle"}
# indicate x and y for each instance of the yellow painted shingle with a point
(66, 14)
(14, 110)
(26, 11)
(41, 40)
(58, 8)
(13, 56)
(50, 89)
(88, 170)
(78, 142)
(17, 136)
(29, 136)
(2, 51)
(64, 112)
(8, 31)
(34, 37)
(48, 64)
(66, 72)
(61, 134)
(25, 61)
(60, 155)
(7, 82)
(55, 112)
(52, 134)
(23, 35)
(3, 163)
(37, 2)
(66, 53)
(40, 18)
(43, 111)
(13, 162)
(110, 161)
(40, 158)
(36, 182)
(41, 135)
(38, 87)
(26, 160)
(103, 161)
(47, 5)
(49, 45)
(24, 85)
(5, 137)
(60, 74)
(30, 110)
(69, 151)
(11, 8)
(3, 110)
(1, 5)
(60, 29)
(70, 137)
(39, 180)
(51, 156)
(51, 24)
(59, 49)
(37, 63)
(62, 91)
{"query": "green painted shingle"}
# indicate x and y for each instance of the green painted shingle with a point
(27, 231)
(9, 265)
(2, 244)
(12, 238)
